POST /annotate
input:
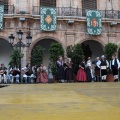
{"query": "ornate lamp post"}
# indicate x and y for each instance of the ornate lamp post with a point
(20, 44)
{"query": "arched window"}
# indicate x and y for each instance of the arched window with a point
(48, 3)
(88, 5)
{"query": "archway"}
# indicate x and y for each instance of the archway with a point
(45, 43)
(92, 49)
(5, 51)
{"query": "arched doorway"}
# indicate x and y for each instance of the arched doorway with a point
(45, 43)
(5, 52)
(92, 49)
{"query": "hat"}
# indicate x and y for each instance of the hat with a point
(102, 56)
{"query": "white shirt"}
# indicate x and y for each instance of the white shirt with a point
(88, 63)
(98, 63)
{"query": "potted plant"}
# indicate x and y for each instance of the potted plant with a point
(15, 58)
(37, 55)
(110, 49)
(55, 50)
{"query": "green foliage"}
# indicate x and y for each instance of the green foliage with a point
(69, 51)
(76, 54)
(15, 58)
(37, 55)
(110, 49)
(55, 50)
(53, 68)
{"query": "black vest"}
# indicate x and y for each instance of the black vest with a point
(103, 63)
(115, 63)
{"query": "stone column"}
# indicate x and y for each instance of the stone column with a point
(23, 60)
(70, 38)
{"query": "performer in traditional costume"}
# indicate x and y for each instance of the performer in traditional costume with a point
(42, 74)
(103, 66)
(89, 72)
(68, 70)
(3, 73)
(89, 69)
(88, 62)
(114, 66)
(60, 74)
(28, 74)
(97, 63)
(81, 74)
(14, 73)
(34, 70)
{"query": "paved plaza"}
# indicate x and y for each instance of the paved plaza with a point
(72, 101)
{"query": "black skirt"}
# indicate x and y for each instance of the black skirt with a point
(68, 74)
(60, 74)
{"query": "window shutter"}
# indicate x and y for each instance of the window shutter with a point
(88, 5)
(48, 3)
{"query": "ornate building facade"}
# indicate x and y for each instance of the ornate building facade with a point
(71, 26)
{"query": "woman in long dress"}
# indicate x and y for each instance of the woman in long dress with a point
(42, 76)
(60, 74)
(81, 74)
(68, 70)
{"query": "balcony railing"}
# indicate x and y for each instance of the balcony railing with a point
(9, 9)
(77, 12)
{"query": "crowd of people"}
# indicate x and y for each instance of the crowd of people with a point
(64, 71)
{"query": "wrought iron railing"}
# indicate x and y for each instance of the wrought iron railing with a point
(9, 9)
(77, 12)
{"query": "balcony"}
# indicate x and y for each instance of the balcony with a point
(77, 12)
(9, 9)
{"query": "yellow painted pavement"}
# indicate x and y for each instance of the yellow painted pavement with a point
(72, 101)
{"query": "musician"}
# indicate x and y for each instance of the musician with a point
(68, 70)
(114, 66)
(28, 73)
(3, 73)
(34, 70)
(42, 74)
(14, 73)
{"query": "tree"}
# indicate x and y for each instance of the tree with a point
(76, 54)
(37, 55)
(15, 58)
(55, 50)
(110, 49)
(69, 51)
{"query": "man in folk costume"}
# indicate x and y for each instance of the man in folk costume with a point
(103, 66)
(114, 66)
(3, 72)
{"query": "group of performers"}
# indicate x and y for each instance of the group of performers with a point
(86, 73)
(64, 71)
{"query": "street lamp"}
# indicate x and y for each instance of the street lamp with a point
(11, 39)
(20, 33)
(20, 44)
